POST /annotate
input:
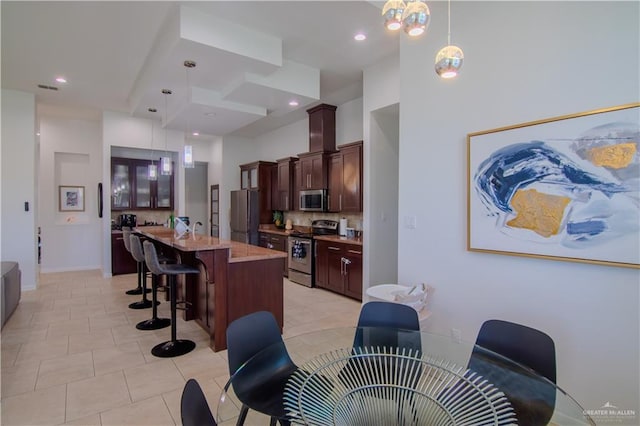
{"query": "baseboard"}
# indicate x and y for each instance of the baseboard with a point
(44, 270)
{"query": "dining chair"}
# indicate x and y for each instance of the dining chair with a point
(381, 324)
(261, 386)
(532, 398)
(387, 326)
(194, 409)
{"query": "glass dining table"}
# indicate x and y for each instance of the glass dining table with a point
(376, 376)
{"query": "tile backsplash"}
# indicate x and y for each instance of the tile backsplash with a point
(142, 216)
(304, 218)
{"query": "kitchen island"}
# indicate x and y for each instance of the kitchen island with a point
(235, 279)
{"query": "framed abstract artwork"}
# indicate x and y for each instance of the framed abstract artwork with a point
(71, 198)
(563, 188)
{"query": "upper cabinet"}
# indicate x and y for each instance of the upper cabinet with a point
(345, 179)
(313, 171)
(258, 176)
(131, 188)
(283, 192)
(121, 184)
(322, 128)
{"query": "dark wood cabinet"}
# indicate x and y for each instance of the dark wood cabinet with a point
(275, 242)
(339, 268)
(131, 188)
(345, 179)
(121, 260)
(313, 171)
(322, 128)
(284, 184)
(121, 184)
(258, 176)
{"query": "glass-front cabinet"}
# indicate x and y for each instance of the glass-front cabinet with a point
(132, 190)
(120, 184)
(143, 186)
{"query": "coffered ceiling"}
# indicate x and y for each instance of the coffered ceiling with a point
(252, 58)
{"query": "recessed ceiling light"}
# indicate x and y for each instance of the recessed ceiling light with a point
(360, 37)
(195, 134)
(61, 79)
(293, 103)
(210, 114)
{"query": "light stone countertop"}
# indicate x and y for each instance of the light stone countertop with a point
(239, 252)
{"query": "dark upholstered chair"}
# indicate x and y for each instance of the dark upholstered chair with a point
(382, 322)
(126, 236)
(194, 409)
(135, 248)
(173, 347)
(260, 385)
(533, 398)
(154, 323)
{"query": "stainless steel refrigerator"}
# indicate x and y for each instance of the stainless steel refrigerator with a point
(245, 216)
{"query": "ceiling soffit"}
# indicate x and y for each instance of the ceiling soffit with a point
(240, 77)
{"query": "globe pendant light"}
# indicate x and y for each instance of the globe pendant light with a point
(415, 17)
(392, 12)
(449, 58)
(152, 171)
(187, 154)
(165, 161)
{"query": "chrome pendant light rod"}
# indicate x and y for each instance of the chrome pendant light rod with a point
(187, 154)
(165, 162)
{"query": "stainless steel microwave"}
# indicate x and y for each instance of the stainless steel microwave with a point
(314, 200)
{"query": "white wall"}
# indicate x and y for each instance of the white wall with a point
(349, 122)
(70, 154)
(381, 91)
(523, 61)
(17, 227)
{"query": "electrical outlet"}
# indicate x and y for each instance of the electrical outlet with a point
(456, 335)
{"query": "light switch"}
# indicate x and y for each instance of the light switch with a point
(410, 222)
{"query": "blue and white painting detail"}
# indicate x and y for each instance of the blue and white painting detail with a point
(573, 194)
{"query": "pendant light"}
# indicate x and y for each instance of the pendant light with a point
(449, 58)
(165, 161)
(413, 16)
(152, 171)
(187, 155)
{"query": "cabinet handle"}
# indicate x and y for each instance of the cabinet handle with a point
(354, 252)
(308, 180)
(334, 248)
(275, 239)
(329, 202)
(286, 201)
(340, 201)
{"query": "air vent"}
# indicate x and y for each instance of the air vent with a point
(44, 86)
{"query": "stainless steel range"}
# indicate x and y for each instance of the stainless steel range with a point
(301, 256)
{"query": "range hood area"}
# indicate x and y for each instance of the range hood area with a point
(322, 128)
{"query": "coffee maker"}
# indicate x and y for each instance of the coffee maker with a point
(128, 220)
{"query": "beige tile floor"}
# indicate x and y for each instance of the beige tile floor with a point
(71, 353)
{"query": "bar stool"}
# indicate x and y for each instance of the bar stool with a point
(154, 323)
(126, 234)
(173, 347)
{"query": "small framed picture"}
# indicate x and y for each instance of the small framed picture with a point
(71, 198)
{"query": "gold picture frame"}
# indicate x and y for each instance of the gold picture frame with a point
(70, 198)
(562, 188)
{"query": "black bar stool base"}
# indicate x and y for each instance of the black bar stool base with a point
(153, 324)
(136, 291)
(143, 304)
(173, 348)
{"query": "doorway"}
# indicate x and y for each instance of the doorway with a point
(196, 196)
